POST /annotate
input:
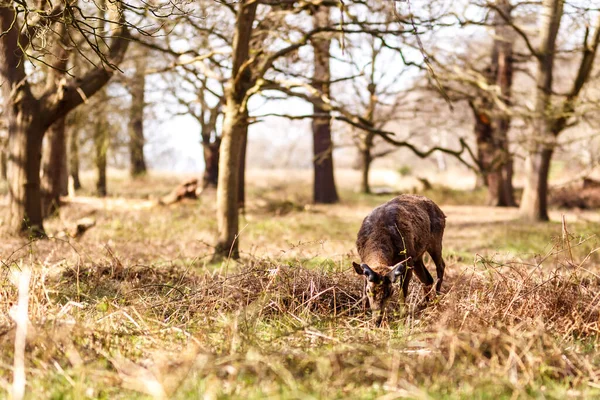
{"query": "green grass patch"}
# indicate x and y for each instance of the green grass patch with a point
(540, 239)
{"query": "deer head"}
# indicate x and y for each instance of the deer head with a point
(380, 287)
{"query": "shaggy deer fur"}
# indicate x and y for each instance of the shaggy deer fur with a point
(391, 243)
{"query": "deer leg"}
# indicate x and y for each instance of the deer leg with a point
(365, 299)
(440, 266)
(405, 283)
(425, 277)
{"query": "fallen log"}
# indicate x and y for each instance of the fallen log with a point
(591, 183)
(585, 195)
(186, 190)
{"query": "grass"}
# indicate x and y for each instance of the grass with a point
(531, 240)
(134, 309)
(275, 331)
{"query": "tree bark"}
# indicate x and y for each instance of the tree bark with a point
(541, 145)
(101, 147)
(324, 189)
(208, 121)
(242, 172)
(25, 134)
(74, 157)
(234, 125)
(480, 182)
(54, 167)
(508, 189)
(29, 117)
(24, 162)
(228, 185)
(492, 122)
(502, 68)
(487, 151)
(3, 159)
(136, 118)
(55, 175)
(101, 143)
(367, 159)
(534, 200)
(366, 146)
(210, 177)
(211, 141)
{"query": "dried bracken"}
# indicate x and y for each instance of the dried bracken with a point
(267, 326)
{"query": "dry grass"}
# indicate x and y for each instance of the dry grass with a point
(114, 315)
(289, 330)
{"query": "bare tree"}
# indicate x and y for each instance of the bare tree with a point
(29, 115)
(548, 121)
(264, 69)
(490, 105)
(501, 187)
(484, 80)
(375, 98)
(236, 117)
(195, 75)
(205, 105)
(324, 190)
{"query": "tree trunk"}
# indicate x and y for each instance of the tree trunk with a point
(74, 157)
(366, 166)
(3, 160)
(55, 175)
(101, 143)
(30, 117)
(234, 126)
(535, 195)
(366, 147)
(25, 133)
(324, 190)
(487, 151)
(492, 122)
(508, 189)
(24, 162)
(228, 186)
(541, 145)
(136, 119)
(549, 122)
(211, 164)
(366, 159)
(242, 173)
(502, 67)
(479, 182)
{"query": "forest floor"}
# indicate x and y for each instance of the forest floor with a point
(136, 309)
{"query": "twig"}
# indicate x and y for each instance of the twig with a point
(21, 319)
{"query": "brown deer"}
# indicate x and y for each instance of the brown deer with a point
(391, 243)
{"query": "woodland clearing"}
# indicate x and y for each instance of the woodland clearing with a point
(135, 308)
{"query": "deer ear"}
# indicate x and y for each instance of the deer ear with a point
(398, 271)
(364, 269)
(358, 268)
(371, 275)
